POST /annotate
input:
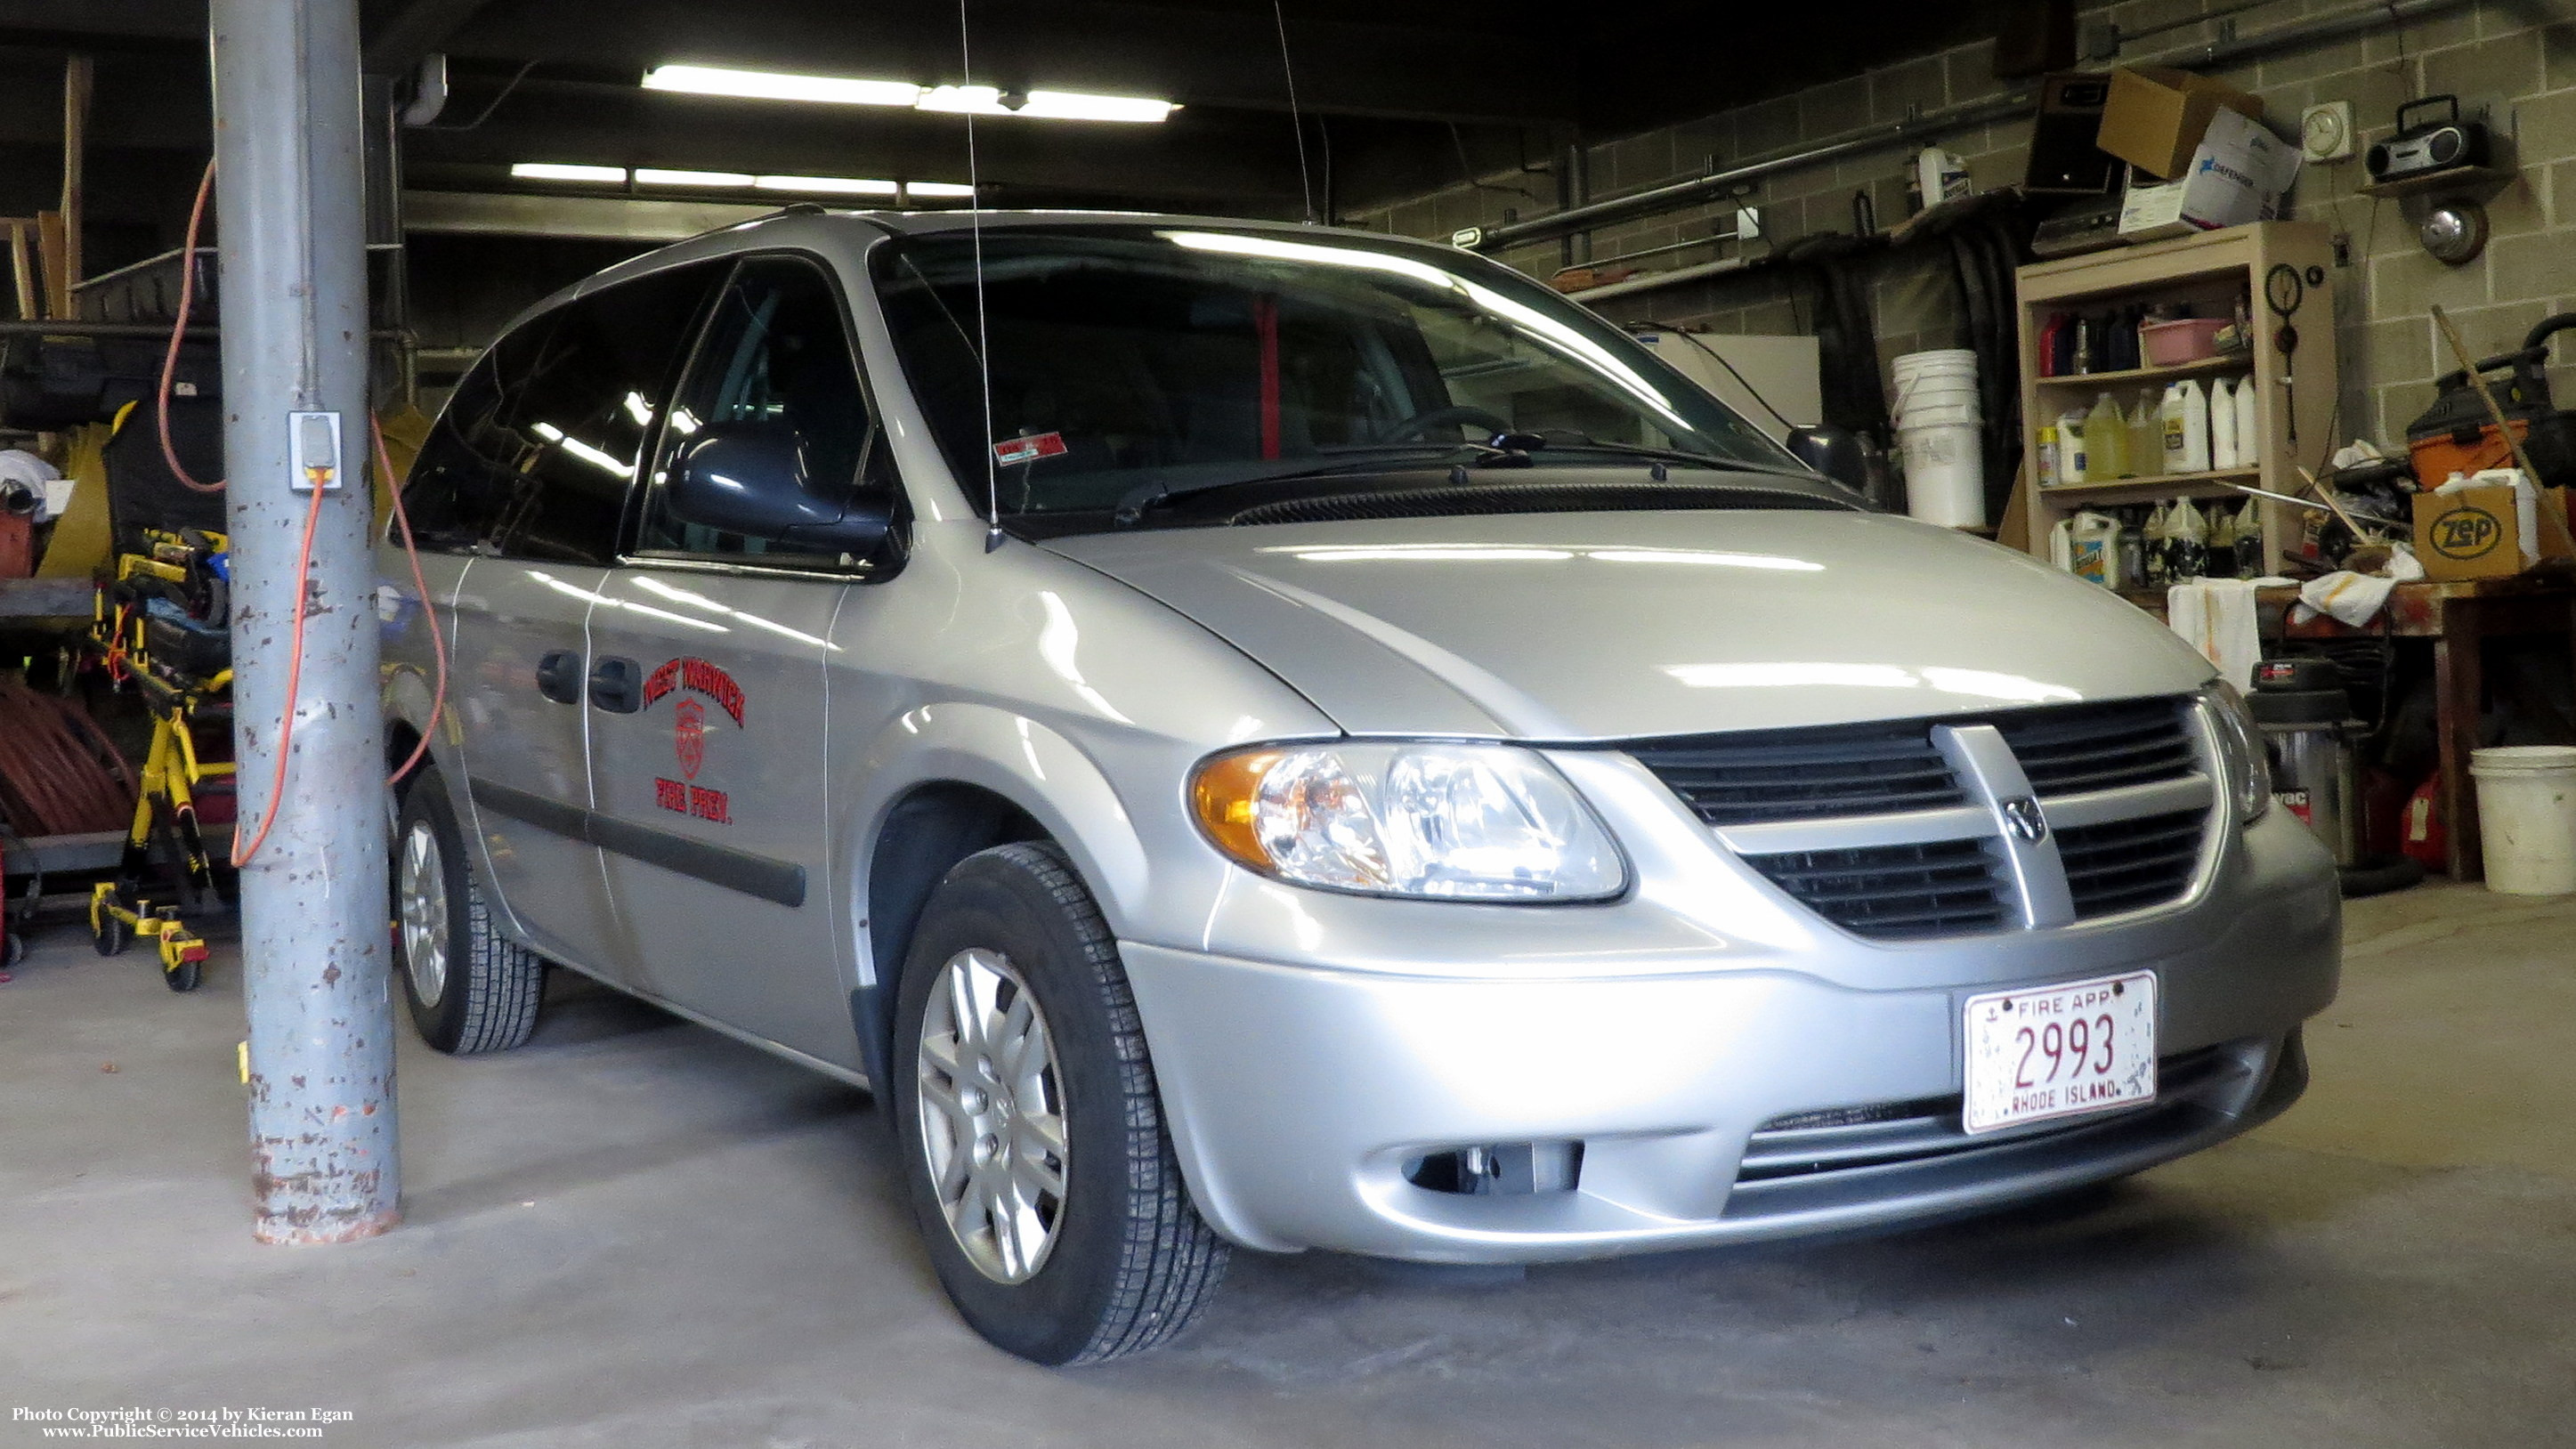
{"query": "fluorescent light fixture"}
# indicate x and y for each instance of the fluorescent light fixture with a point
(1076, 106)
(981, 100)
(938, 190)
(708, 80)
(555, 171)
(837, 185)
(654, 176)
(1045, 105)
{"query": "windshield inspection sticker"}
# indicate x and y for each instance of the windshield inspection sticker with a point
(1030, 448)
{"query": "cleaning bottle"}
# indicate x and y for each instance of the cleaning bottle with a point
(2133, 550)
(2249, 437)
(2094, 546)
(2146, 435)
(2249, 538)
(2152, 547)
(2047, 464)
(2195, 428)
(2169, 413)
(2222, 424)
(2074, 460)
(2106, 438)
(2220, 561)
(2187, 540)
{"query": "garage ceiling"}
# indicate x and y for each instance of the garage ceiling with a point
(1394, 90)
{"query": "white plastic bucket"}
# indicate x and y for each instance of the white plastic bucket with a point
(1944, 474)
(2527, 817)
(1938, 359)
(1939, 415)
(1936, 388)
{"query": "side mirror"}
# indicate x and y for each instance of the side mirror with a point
(750, 479)
(1835, 452)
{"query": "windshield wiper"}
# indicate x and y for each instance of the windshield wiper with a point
(1133, 503)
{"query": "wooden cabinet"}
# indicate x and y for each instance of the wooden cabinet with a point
(2295, 393)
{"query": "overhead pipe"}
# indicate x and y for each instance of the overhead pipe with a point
(2019, 102)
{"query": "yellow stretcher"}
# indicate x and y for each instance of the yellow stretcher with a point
(165, 808)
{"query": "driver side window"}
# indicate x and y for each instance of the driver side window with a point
(775, 352)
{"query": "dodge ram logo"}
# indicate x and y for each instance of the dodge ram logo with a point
(2023, 814)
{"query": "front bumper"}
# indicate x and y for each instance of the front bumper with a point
(1297, 1094)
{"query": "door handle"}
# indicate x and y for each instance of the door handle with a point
(617, 685)
(559, 676)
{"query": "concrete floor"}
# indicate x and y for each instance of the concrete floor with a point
(636, 1233)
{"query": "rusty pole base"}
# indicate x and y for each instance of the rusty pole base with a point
(288, 1233)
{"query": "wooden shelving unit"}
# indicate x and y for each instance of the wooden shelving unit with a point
(2210, 271)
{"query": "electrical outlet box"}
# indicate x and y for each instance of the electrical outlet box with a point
(2325, 131)
(314, 439)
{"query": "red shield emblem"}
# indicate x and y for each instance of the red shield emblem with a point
(689, 736)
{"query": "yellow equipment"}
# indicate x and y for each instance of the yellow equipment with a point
(175, 656)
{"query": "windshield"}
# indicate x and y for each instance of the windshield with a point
(1180, 359)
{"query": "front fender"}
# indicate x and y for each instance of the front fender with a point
(1019, 759)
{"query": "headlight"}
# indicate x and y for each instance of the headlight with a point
(2240, 749)
(1460, 822)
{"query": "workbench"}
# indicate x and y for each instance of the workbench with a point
(2459, 618)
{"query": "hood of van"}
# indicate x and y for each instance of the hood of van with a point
(1582, 626)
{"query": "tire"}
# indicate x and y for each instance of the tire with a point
(471, 990)
(1121, 1260)
(186, 976)
(111, 936)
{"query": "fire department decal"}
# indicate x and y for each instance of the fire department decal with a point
(689, 735)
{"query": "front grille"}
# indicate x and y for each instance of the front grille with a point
(2127, 864)
(1752, 784)
(1799, 775)
(1850, 1139)
(2101, 746)
(1894, 892)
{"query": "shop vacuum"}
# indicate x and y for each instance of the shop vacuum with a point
(2457, 434)
(2309, 733)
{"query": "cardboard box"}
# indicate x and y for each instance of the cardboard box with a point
(2237, 172)
(2477, 532)
(2154, 117)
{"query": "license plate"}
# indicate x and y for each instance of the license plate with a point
(2060, 1051)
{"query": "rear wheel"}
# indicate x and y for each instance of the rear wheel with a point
(470, 988)
(1031, 1132)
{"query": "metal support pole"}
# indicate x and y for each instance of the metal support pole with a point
(313, 899)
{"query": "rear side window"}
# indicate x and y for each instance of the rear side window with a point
(535, 453)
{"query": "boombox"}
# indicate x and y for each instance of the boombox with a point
(2415, 150)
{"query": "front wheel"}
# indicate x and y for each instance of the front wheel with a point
(1030, 1130)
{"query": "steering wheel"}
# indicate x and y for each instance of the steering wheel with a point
(1422, 422)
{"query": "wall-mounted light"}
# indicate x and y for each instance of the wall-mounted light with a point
(744, 181)
(722, 180)
(556, 171)
(707, 80)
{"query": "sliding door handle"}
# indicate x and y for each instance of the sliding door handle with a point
(617, 685)
(559, 676)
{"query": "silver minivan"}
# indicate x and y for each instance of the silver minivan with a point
(1258, 735)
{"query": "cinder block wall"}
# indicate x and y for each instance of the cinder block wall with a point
(2513, 59)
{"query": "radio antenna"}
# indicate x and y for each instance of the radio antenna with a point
(1296, 117)
(993, 534)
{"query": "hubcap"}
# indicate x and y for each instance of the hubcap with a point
(421, 893)
(992, 1116)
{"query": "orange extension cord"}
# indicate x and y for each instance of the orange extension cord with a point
(242, 855)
